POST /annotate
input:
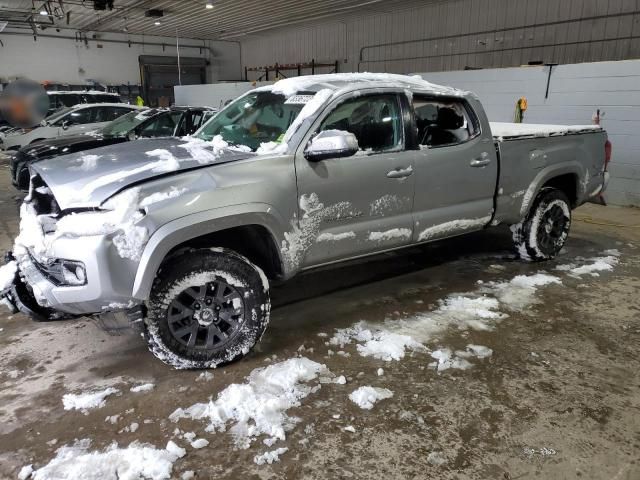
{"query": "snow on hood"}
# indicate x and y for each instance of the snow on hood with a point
(76, 182)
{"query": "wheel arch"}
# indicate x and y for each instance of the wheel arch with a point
(564, 177)
(251, 233)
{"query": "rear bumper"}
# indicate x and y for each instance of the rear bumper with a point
(597, 196)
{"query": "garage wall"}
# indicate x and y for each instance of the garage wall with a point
(456, 34)
(213, 95)
(575, 93)
(67, 61)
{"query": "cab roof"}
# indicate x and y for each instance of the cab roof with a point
(358, 81)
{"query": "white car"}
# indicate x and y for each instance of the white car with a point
(71, 120)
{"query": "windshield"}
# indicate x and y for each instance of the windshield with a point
(58, 114)
(253, 119)
(124, 124)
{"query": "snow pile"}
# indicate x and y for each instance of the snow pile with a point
(305, 231)
(270, 457)
(598, 264)
(366, 397)
(476, 311)
(291, 86)
(25, 472)
(272, 148)
(145, 387)
(120, 215)
(386, 204)
(258, 406)
(395, 233)
(209, 152)
(86, 163)
(380, 344)
(454, 226)
(158, 197)
(86, 401)
(502, 130)
(7, 274)
(520, 291)
(133, 462)
(334, 237)
(447, 359)
(199, 443)
(167, 162)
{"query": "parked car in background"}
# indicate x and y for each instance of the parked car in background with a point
(155, 122)
(77, 119)
(181, 237)
(59, 99)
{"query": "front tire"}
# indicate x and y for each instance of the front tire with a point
(207, 308)
(544, 230)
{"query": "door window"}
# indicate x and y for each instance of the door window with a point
(441, 123)
(111, 113)
(163, 125)
(197, 116)
(81, 116)
(375, 120)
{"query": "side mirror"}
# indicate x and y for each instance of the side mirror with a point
(132, 135)
(43, 123)
(331, 144)
(65, 124)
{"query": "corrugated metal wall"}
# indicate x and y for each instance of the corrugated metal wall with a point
(455, 34)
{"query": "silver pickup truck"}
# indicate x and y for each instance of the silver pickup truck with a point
(182, 237)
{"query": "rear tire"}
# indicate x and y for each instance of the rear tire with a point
(207, 308)
(544, 230)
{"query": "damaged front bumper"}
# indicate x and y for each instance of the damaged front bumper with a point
(35, 295)
(20, 297)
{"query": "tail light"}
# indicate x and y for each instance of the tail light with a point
(607, 154)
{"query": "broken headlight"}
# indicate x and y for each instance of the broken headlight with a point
(64, 273)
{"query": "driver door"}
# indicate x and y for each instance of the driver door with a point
(361, 204)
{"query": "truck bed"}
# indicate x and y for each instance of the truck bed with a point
(507, 131)
(530, 154)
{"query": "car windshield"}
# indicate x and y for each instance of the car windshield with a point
(253, 119)
(124, 124)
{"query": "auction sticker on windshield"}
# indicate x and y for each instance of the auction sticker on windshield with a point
(299, 99)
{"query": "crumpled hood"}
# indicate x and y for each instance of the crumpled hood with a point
(87, 179)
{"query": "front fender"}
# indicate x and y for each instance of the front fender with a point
(196, 225)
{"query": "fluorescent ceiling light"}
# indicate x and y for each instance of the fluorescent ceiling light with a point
(44, 13)
(157, 22)
(209, 5)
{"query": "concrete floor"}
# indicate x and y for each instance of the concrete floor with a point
(559, 398)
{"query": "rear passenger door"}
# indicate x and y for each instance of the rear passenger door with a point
(456, 169)
(352, 206)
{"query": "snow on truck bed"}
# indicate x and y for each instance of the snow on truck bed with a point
(513, 130)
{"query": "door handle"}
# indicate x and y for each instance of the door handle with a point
(400, 172)
(481, 161)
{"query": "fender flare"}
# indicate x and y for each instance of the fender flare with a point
(545, 175)
(186, 228)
